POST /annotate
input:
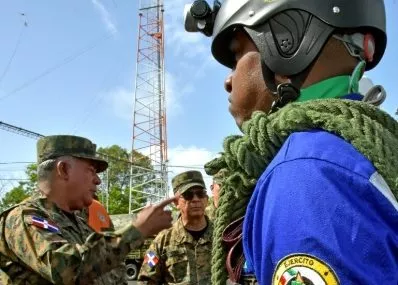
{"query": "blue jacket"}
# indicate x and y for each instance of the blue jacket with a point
(320, 212)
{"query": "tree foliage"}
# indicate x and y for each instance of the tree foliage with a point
(22, 191)
(115, 181)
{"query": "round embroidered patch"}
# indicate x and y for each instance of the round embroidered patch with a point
(101, 217)
(303, 269)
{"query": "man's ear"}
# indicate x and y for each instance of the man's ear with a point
(62, 169)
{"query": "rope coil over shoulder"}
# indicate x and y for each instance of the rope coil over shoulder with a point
(371, 131)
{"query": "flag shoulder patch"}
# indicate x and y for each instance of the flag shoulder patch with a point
(42, 223)
(151, 259)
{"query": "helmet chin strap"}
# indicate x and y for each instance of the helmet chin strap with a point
(284, 93)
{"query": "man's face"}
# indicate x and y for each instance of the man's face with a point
(215, 190)
(248, 92)
(192, 203)
(82, 183)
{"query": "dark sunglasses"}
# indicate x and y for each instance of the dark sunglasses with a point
(188, 195)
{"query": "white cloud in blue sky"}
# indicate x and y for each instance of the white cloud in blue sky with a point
(121, 102)
(106, 18)
(191, 157)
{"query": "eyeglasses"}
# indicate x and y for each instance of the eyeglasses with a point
(188, 195)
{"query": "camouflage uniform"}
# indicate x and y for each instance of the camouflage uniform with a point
(41, 244)
(117, 275)
(179, 258)
(175, 257)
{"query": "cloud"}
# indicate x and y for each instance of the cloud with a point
(365, 84)
(105, 16)
(185, 47)
(182, 43)
(176, 88)
(121, 102)
(172, 96)
(178, 41)
(189, 158)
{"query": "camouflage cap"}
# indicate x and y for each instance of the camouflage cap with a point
(51, 147)
(219, 177)
(186, 180)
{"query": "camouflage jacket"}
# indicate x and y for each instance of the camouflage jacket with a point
(40, 244)
(174, 257)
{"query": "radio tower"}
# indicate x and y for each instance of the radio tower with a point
(149, 119)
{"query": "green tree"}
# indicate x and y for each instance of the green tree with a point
(117, 179)
(22, 191)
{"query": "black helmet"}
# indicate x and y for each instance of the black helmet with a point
(290, 34)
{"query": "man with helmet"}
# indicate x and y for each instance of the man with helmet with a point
(312, 184)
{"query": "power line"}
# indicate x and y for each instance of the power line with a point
(14, 51)
(126, 161)
(187, 166)
(13, 179)
(34, 135)
(58, 65)
(17, 162)
(93, 103)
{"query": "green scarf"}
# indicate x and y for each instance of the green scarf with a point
(371, 131)
(334, 87)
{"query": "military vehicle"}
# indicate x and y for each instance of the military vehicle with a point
(135, 258)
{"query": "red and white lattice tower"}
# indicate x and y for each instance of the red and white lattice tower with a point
(149, 119)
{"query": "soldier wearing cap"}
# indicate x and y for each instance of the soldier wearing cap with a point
(215, 190)
(182, 254)
(44, 241)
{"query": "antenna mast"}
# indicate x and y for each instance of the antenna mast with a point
(149, 117)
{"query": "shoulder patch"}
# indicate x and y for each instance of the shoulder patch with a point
(378, 181)
(151, 259)
(43, 223)
(303, 269)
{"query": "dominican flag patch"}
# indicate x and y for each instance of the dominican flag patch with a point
(44, 224)
(151, 259)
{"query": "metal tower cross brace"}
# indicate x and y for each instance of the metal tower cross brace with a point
(149, 117)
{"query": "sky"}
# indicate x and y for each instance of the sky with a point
(68, 67)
